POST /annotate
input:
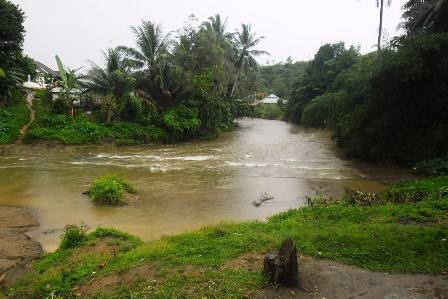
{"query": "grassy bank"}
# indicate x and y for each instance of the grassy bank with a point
(402, 230)
(11, 120)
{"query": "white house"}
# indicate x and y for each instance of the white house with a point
(270, 99)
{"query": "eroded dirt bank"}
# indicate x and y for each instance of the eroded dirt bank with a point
(17, 250)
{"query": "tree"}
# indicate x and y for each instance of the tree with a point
(103, 81)
(426, 15)
(114, 82)
(216, 27)
(14, 64)
(70, 81)
(152, 58)
(11, 32)
(329, 61)
(244, 41)
(151, 43)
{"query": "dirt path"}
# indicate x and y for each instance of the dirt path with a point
(319, 278)
(29, 98)
(17, 250)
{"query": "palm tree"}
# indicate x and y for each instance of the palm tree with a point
(101, 80)
(114, 82)
(429, 15)
(244, 41)
(151, 43)
(216, 27)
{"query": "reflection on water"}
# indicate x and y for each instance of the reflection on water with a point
(185, 186)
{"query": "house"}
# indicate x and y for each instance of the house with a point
(270, 99)
(45, 75)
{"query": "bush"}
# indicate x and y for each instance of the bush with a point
(109, 190)
(74, 236)
(268, 111)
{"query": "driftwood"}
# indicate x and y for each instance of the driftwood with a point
(282, 266)
(263, 198)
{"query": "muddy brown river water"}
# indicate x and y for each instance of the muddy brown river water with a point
(185, 186)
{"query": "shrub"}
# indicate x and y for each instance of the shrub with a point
(109, 189)
(11, 120)
(74, 236)
(434, 167)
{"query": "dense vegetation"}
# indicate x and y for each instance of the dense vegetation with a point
(389, 106)
(403, 230)
(164, 88)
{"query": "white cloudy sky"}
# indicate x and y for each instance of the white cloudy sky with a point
(77, 30)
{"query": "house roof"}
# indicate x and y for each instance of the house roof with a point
(271, 99)
(42, 68)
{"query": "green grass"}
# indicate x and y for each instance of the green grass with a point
(12, 119)
(408, 236)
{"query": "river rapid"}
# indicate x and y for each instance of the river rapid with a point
(185, 186)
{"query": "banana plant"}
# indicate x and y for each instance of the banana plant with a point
(70, 80)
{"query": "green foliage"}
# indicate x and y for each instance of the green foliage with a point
(74, 236)
(410, 84)
(395, 111)
(215, 113)
(14, 65)
(320, 73)
(181, 121)
(62, 128)
(109, 189)
(279, 78)
(266, 111)
(11, 120)
(433, 167)
(131, 133)
(323, 110)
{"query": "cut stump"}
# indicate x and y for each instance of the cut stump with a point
(282, 266)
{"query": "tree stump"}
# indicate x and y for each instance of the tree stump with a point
(282, 266)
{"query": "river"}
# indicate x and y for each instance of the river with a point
(185, 186)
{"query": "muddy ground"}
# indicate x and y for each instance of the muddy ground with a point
(17, 250)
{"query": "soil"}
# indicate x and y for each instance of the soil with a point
(320, 278)
(29, 100)
(17, 250)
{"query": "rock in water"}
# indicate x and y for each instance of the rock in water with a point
(282, 266)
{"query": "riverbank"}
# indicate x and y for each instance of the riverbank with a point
(403, 231)
(17, 250)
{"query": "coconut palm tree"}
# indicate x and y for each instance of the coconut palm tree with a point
(151, 43)
(429, 15)
(244, 42)
(216, 27)
(114, 82)
(103, 80)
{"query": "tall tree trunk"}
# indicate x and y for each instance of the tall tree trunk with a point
(380, 31)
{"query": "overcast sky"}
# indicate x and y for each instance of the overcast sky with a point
(78, 30)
